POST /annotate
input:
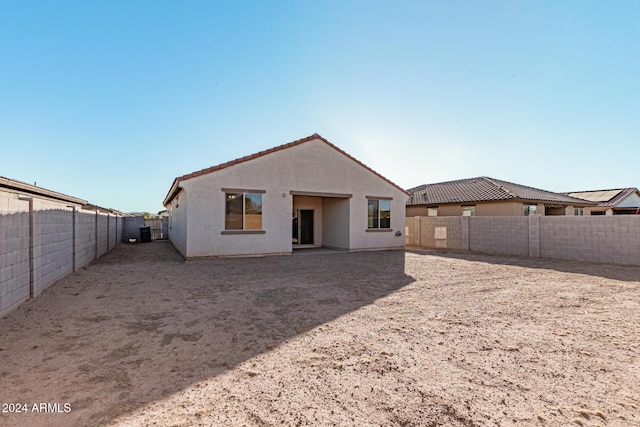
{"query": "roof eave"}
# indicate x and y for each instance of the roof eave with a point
(173, 191)
(32, 190)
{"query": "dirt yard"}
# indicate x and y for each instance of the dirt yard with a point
(380, 338)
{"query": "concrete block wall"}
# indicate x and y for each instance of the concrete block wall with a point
(602, 239)
(103, 233)
(131, 227)
(441, 232)
(606, 239)
(52, 242)
(421, 231)
(14, 252)
(85, 237)
(42, 240)
(113, 232)
(411, 236)
(499, 235)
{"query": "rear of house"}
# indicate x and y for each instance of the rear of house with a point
(307, 193)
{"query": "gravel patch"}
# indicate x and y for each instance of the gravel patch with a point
(415, 338)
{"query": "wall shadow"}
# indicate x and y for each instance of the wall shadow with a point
(608, 271)
(140, 324)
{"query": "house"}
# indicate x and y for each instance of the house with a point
(484, 196)
(620, 201)
(307, 193)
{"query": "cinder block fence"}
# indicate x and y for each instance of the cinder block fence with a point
(42, 239)
(602, 239)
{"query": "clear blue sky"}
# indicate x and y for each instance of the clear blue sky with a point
(109, 101)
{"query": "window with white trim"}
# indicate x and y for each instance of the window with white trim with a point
(529, 209)
(379, 214)
(468, 211)
(432, 211)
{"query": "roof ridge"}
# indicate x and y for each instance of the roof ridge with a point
(243, 159)
(483, 189)
(501, 187)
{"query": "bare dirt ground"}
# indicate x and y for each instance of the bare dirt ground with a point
(418, 338)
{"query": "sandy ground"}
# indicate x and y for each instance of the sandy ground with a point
(410, 338)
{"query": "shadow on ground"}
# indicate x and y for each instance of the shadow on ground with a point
(607, 271)
(139, 324)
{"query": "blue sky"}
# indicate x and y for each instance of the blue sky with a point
(109, 101)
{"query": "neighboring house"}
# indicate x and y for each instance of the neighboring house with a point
(621, 201)
(307, 193)
(485, 196)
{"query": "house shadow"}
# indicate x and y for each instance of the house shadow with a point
(140, 324)
(609, 271)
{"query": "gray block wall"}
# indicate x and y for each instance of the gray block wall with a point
(112, 235)
(131, 227)
(42, 240)
(602, 239)
(421, 231)
(606, 239)
(52, 242)
(85, 237)
(14, 252)
(102, 234)
(507, 235)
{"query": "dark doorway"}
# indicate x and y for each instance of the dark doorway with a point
(302, 227)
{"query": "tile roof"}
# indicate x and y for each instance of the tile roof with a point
(605, 198)
(176, 182)
(484, 189)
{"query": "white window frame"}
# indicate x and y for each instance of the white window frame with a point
(378, 200)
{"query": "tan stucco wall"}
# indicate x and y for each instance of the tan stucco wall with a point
(416, 211)
(450, 210)
(506, 208)
(499, 209)
(335, 220)
(309, 167)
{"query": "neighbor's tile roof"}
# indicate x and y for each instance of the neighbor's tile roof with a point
(28, 189)
(483, 189)
(176, 182)
(605, 198)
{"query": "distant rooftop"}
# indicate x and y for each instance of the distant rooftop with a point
(484, 189)
(28, 189)
(25, 189)
(605, 198)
